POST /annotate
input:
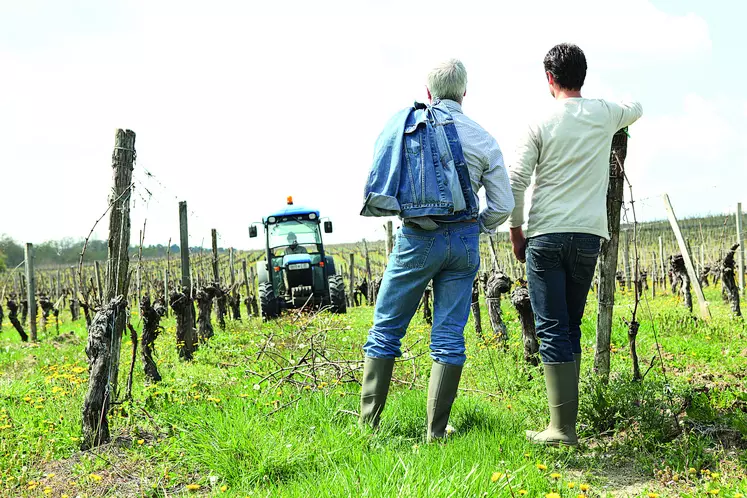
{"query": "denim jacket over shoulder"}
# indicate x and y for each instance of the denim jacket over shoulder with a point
(419, 168)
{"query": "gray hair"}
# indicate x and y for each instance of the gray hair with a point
(448, 80)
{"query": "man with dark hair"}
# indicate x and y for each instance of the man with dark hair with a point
(568, 152)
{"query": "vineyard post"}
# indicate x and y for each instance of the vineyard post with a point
(351, 297)
(214, 239)
(246, 280)
(695, 281)
(663, 274)
(626, 260)
(74, 302)
(608, 256)
(232, 269)
(105, 330)
(99, 288)
(31, 289)
(166, 278)
(740, 241)
(654, 274)
(57, 286)
(184, 249)
(389, 239)
(368, 273)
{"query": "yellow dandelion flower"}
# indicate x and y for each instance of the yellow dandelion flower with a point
(541, 466)
(223, 488)
(653, 495)
(523, 492)
(580, 495)
(552, 495)
(496, 476)
(571, 485)
(738, 495)
(51, 475)
(47, 490)
(141, 441)
(193, 487)
(715, 475)
(584, 487)
(692, 470)
(714, 491)
(95, 477)
(555, 475)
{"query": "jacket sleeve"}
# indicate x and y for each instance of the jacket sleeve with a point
(380, 192)
(521, 174)
(499, 200)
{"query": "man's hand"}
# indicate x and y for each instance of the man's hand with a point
(519, 243)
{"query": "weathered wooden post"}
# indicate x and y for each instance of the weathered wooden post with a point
(608, 255)
(626, 259)
(74, 303)
(220, 297)
(351, 292)
(740, 241)
(166, 279)
(662, 269)
(235, 296)
(389, 239)
(248, 287)
(105, 331)
(369, 280)
(99, 287)
(693, 276)
(31, 289)
(181, 302)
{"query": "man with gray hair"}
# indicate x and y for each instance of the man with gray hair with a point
(439, 248)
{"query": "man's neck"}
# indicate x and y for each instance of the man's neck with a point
(562, 94)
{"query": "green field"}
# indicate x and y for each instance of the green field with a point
(225, 425)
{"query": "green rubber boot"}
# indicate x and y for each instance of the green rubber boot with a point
(442, 390)
(577, 357)
(377, 374)
(562, 397)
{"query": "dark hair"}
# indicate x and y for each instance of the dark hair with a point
(567, 64)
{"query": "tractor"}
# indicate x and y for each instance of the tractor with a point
(296, 271)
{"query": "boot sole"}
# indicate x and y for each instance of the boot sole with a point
(530, 435)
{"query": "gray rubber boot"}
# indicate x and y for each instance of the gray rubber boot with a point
(562, 397)
(377, 374)
(577, 358)
(442, 390)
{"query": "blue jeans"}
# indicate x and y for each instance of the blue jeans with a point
(560, 268)
(450, 257)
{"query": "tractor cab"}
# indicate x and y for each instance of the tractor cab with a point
(296, 272)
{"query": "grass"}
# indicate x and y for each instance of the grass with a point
(215, 426)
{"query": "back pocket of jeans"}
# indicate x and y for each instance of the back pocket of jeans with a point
(544, 257)
(584, 265)
(412, 250)
(472, 247)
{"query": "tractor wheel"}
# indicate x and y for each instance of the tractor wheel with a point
(337, 294)
(268, 301)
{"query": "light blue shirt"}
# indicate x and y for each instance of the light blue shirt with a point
(486, 169)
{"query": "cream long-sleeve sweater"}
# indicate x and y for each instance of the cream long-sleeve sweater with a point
(568, 151)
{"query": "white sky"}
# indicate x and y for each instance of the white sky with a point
(238, 104)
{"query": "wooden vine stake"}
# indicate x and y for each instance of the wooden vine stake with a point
(694, 280)
(608, 255)
(105, 331)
